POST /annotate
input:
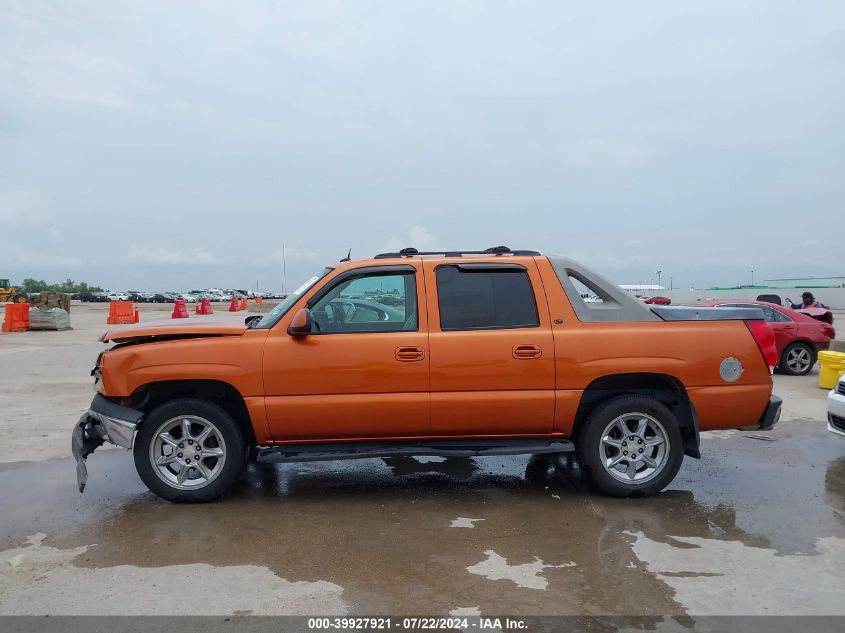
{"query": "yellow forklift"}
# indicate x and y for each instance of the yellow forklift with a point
(9, 293)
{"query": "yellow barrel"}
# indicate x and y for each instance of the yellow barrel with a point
(831, 368)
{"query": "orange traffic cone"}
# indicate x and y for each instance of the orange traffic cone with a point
(180, 310)
(233, 305)
(137, 315)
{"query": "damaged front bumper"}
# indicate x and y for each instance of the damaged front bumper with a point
(104, 421)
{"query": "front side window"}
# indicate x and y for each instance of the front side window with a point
(485, 298)
(374, 302)
(271, 318)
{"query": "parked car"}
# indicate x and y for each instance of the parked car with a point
(770, 298)
(160, 298)
(96, 297)
(496, 353)
(118, 296)
(836, 408)
(188, 298)
(798, 337)
(661, 301)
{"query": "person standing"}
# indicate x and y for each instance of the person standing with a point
(807, 301)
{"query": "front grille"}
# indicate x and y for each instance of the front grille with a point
(841, 389)
(836, 422)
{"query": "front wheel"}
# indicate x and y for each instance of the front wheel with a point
(797, 359)
(189, 450)
(631, 445)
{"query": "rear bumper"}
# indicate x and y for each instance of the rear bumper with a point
(771, 416)
(104, 421)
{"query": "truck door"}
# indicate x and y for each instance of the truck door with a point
(491, 349)
(362, 373)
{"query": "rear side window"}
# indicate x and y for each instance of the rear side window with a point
(485, 298)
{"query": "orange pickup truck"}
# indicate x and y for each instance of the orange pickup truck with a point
(466, 353)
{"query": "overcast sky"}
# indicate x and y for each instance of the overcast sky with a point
(160, 145)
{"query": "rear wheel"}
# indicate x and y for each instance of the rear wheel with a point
(631, 445)
(189, 450)
(797, 359)
(20, 297)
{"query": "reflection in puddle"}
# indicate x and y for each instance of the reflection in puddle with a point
(464, 522)
(744, 580)
(527, 575)
(37, 579)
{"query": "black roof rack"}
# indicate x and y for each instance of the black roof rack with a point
(493, 250)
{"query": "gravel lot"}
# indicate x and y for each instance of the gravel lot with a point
(755, 527)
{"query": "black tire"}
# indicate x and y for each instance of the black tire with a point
(590, 446)
(234, 447)
(797, 359)
(20, 297)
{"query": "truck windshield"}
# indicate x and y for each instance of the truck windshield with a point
(271, 318)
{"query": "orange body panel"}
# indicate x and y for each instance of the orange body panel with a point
(346, 386)
(478, 386)
(689, 351)
(358, 386)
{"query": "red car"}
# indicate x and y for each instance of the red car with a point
(660, 301)
(798, 337)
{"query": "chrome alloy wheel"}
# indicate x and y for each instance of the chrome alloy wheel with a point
(188, 452)
(799, 360)
(634, 448)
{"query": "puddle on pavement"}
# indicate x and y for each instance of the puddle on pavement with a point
(382, 529)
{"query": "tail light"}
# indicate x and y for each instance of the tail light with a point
(765, 339)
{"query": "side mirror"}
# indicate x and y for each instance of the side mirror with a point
(251, 318)
(300, 325)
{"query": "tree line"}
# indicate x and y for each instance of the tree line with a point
(68, 285)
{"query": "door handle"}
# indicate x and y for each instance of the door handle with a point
(527, 352)
(408, 354)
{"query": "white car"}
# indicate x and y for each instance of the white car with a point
(836, 408)
(189, 298)
(118, 296)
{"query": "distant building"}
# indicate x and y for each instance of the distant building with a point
(808, 282)
(636, 289)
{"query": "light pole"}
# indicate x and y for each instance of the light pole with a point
(284, 272)
(752, 277)
(658, 276)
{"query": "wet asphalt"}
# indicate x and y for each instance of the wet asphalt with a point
(382, 529)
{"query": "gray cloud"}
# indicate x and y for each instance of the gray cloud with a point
(700, 139)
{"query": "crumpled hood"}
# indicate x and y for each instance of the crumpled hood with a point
(820, 314)
(176, 329)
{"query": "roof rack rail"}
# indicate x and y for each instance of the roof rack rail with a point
(493, 250)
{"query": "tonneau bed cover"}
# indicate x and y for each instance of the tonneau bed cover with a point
(695, 313)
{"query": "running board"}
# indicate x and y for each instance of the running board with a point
(442, 448)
